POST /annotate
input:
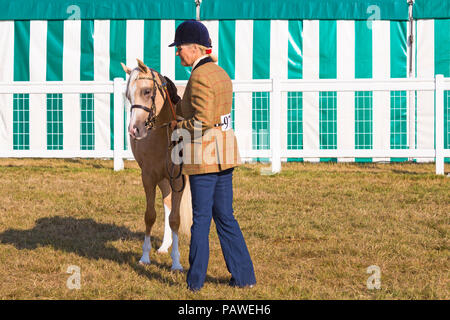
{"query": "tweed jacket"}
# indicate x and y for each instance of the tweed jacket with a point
(209, 143)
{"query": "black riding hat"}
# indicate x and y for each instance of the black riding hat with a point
(192, 31)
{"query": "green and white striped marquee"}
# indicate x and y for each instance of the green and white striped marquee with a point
(81, 41)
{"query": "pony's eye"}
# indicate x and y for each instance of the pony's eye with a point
(146, 92)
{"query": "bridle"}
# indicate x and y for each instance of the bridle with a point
(152, 117)
(162, 88)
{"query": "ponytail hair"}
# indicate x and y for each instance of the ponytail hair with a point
(204, 51)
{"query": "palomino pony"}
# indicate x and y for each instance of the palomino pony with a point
(151, 110)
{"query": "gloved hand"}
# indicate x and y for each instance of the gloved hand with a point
(172, 89)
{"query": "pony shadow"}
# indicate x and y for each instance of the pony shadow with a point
(84, 237)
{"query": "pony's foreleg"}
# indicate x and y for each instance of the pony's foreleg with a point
(167, 203)
(167, 239)
(146, 248)
(150, 217)
(175, 254)
(174, 221)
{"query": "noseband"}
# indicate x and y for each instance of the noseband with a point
(151, 119)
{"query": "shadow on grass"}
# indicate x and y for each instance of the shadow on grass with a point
(413, 173)
(86, 238)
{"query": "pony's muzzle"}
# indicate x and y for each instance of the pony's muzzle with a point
(138, 131)
(134, 132)
(142, 120)
(137, 128)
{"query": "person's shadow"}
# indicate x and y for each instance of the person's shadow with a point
(84, 237)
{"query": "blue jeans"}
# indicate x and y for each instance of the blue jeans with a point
(212, 197)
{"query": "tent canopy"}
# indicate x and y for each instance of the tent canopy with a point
(96, 9)
(305, 9)
(222, 9)
(431, 9)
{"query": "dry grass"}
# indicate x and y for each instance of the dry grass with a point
(312, 232)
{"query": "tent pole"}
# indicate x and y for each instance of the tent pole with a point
(411, 94)
(197, 5)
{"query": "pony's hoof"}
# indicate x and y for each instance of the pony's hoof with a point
(144, 262)
(177, 269)
(162, 250)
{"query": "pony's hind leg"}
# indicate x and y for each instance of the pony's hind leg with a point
(167, 203)
(150, 217)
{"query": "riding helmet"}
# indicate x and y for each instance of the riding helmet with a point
(192, 31)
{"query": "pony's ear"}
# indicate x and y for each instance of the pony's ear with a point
(142, 66)
(125, 68)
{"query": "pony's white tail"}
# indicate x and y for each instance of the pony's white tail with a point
(186, 210)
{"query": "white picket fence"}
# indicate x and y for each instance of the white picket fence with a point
(277, 88)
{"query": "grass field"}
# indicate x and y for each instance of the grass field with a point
(312, 232)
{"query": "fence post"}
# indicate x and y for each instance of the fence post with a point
(439, 120)
(275, 126)
(412, 120)
(118, 124)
